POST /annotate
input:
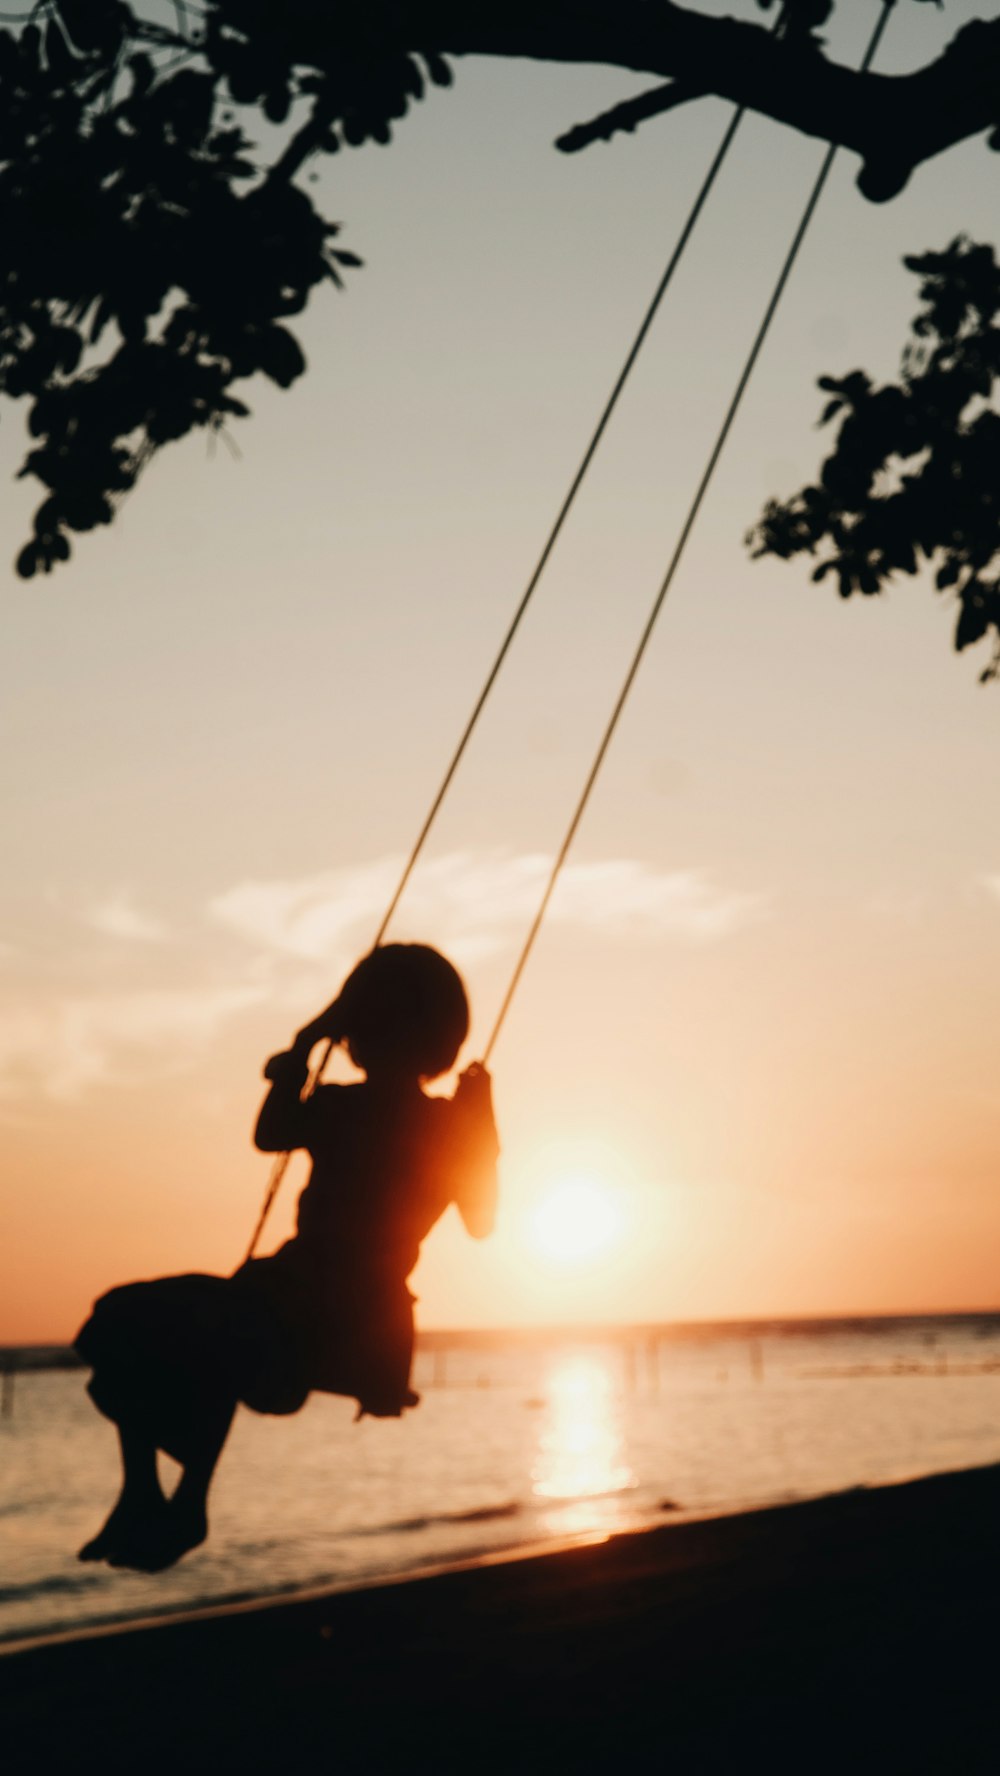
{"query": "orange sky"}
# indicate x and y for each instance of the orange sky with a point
(762, 1013)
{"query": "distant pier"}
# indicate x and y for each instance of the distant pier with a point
(22, 1359)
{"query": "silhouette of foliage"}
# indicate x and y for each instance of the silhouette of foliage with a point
(913, 475)
(138, 219)
(158, 240)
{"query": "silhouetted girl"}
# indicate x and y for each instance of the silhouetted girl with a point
(330, 1310)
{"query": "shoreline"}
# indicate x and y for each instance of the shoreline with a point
(668, 1517)
(855, 1631)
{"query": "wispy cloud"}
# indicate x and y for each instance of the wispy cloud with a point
(474, 901)
(118, 916)
(117, 1038)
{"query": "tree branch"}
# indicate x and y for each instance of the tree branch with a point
(893, 122)
(627, 115)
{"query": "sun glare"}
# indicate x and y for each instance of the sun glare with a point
(581, 1454)
(577, 1219)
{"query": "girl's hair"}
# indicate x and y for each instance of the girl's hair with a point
(406, 1004)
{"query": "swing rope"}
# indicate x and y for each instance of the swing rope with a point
(564, 511)
(283, 1160)
(686, 529)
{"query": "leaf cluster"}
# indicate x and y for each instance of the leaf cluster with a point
(152, 254)
(912, 477)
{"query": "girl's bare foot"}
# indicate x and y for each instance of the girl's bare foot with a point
(161, 1540)
(129, 1525)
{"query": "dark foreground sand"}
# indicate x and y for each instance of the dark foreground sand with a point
(854, 1633)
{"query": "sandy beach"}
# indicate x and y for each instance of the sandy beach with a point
(857, 1632)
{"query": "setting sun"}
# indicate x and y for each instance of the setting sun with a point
(577, 1219)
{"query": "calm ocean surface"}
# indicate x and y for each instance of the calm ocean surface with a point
(515, 1444)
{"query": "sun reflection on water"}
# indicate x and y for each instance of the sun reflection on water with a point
(580, 1465)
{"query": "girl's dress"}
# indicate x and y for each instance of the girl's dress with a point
(330, 1310)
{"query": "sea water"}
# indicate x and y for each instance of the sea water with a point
(518, 1443)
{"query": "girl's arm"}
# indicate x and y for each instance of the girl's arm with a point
(282, 1123)
(477, 1150)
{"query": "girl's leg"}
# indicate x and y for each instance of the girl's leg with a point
(164, 1356)
(188, 1508)
(139, 1505)
(169, 1528)
(147, 1531)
